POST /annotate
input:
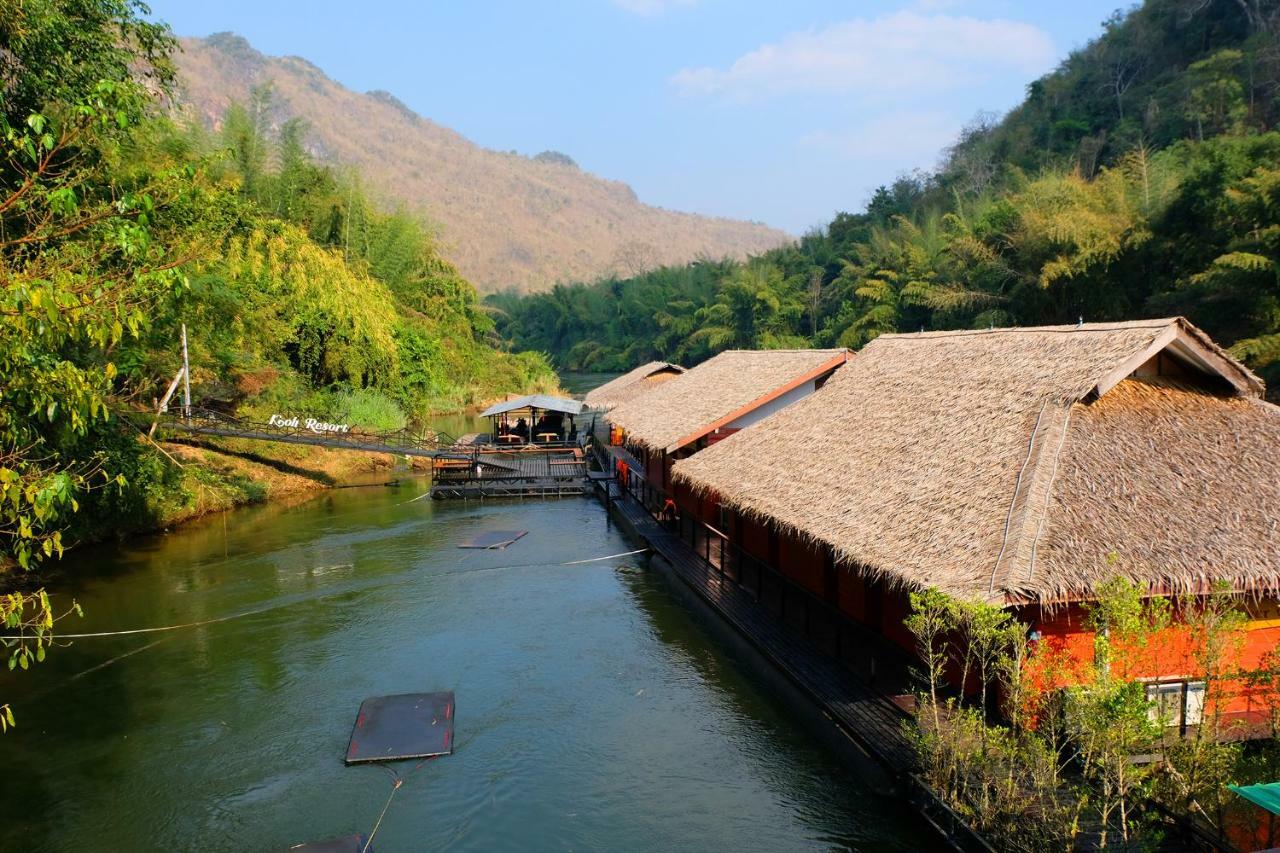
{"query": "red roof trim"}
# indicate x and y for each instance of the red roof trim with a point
(760, 401)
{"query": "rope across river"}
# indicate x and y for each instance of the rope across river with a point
(282, 604)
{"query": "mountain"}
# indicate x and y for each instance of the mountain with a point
(506, 220)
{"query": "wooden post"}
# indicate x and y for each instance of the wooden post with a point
(164, 401)
(186, 376)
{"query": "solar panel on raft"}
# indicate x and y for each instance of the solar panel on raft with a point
(493, 539)
(409, 725)
(349, 844)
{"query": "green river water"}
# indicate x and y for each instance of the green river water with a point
(593, 713)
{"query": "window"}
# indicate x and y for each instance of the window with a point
(1170, 699)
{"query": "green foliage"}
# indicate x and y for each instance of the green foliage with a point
(28, 620)
(116, 227)
(83, 250)
(1063, 758)
(365, 408)
(1008, 782)
(1137, 180)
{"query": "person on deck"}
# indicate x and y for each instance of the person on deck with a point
(670, 514)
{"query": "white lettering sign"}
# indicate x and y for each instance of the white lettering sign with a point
(312, 424)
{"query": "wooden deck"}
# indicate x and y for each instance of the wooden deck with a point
(514, 473)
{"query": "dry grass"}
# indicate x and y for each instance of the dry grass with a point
(981, 463)
(732, 381)
(632, 385)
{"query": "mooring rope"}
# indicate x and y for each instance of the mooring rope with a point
(368, 842)
(397, 782)
(282, 604)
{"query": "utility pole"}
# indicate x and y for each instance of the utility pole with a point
(186, 377)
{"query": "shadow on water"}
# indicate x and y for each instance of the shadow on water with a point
(798, 761)
(592, 712)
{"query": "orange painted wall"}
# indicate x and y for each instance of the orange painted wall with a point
(720, 435)
(1169, 655)
(897, 607)
(655, 468)
(694, 506)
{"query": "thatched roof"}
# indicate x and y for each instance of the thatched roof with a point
(1022, 464)
(717, 392)
(541, 402)
(631, 385)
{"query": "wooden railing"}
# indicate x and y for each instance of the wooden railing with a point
(490, 465)
(402, 441)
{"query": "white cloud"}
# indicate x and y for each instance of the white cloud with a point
(901, 139)
(651, 7)
(904, 52)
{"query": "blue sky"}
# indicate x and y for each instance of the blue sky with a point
(782, 112)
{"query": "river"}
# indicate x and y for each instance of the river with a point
(593, 713)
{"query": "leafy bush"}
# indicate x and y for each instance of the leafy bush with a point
(369, 409)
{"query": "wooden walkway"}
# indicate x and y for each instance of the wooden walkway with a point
(865, 714)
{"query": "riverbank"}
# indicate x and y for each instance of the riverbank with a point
(176, 479)
(195, 478)
(224, 474)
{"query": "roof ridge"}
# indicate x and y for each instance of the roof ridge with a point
(1047, 330)
(783, 349)
(1029, 503)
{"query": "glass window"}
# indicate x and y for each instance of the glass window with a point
(1168, 699)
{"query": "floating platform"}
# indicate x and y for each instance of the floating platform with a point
(404, 726)
(521, 472)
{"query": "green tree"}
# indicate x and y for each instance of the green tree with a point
(1215, 95)
(83, 254)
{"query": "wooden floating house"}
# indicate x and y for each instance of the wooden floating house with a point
(534, 419)
(533, 450)
(1022, 467)
(631, 385)
(714, 400)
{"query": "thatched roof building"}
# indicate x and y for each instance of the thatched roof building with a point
(718, 392)
(631, 385)
(534, 403)
(1018, 465)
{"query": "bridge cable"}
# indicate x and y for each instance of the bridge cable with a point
(279, 605)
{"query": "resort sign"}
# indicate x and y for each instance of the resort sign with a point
(308, 423)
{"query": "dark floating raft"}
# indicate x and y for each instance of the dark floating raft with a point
(349, 844)
(408, 725)
(490, 539)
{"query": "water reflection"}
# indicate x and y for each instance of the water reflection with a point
(592, 712)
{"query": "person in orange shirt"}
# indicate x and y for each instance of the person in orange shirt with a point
(670, 513)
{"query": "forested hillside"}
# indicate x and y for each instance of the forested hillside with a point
(118, 225)
(506, 220)
(1140, 178)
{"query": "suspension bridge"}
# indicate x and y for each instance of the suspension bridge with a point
(404, 442)
(460, 467)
